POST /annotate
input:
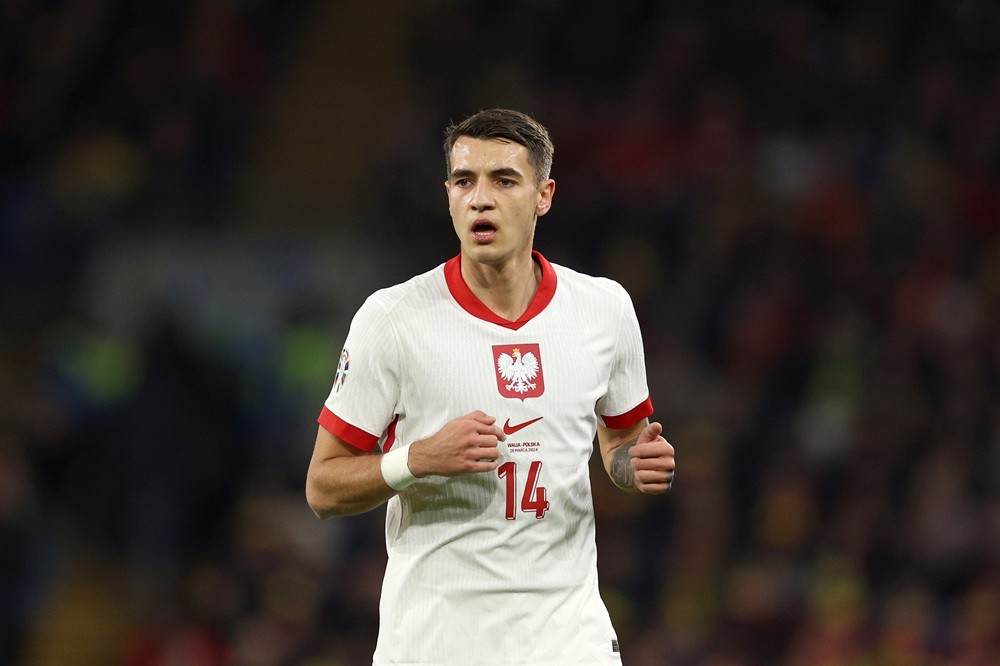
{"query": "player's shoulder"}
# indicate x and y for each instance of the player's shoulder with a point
(596, 287)
(420, 290)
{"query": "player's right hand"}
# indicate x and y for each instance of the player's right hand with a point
(466, 445)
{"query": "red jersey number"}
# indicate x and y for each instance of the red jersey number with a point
(533, 499)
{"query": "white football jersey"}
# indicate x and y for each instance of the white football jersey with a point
(497, 567)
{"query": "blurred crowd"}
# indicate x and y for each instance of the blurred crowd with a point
(802, 198)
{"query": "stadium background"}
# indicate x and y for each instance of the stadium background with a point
(802, 198)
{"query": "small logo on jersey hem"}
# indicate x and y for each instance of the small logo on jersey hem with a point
(509, 429)
(614, 645)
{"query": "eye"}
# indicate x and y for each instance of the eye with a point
(463, 182)
(507, 182)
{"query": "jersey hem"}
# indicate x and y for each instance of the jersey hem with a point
(353, 435)
(631, 417)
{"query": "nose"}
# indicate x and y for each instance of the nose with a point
(481, 196)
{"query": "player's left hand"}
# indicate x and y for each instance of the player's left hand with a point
(652, 460)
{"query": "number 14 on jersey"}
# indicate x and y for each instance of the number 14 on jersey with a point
(533, 499)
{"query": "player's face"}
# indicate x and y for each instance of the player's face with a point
(493, 199)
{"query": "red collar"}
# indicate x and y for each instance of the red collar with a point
(471, 303)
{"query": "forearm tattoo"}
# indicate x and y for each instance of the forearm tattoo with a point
(622, 472)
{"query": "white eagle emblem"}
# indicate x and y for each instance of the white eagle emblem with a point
(518, 370)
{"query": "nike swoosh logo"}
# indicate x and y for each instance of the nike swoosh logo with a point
(509, 429)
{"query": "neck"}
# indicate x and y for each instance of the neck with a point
(505, 289)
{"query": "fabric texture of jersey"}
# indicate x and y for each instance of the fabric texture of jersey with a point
(497, 567)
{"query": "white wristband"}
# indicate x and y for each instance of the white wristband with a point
(395, 471)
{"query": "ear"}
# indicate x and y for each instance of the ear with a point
(546, 192)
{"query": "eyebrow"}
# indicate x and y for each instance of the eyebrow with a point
(504, 171)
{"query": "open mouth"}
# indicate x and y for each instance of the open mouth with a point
(484, 230)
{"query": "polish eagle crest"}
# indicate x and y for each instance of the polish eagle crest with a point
(518, 370)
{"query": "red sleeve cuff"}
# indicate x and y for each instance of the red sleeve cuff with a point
(631, 417)
(356, 437)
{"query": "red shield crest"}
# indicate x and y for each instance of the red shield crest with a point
(519, 370)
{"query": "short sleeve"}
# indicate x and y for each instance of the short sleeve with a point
(365, 389)
(627, 400)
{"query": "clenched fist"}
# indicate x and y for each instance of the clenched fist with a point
(653, 461)
(465, 445)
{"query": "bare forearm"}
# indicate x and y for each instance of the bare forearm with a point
(638, 458)
(343, 480)
(345, 486)
(620, 468)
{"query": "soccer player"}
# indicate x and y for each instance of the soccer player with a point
(468, 398)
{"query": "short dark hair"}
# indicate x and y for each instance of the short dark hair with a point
(506, 125)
